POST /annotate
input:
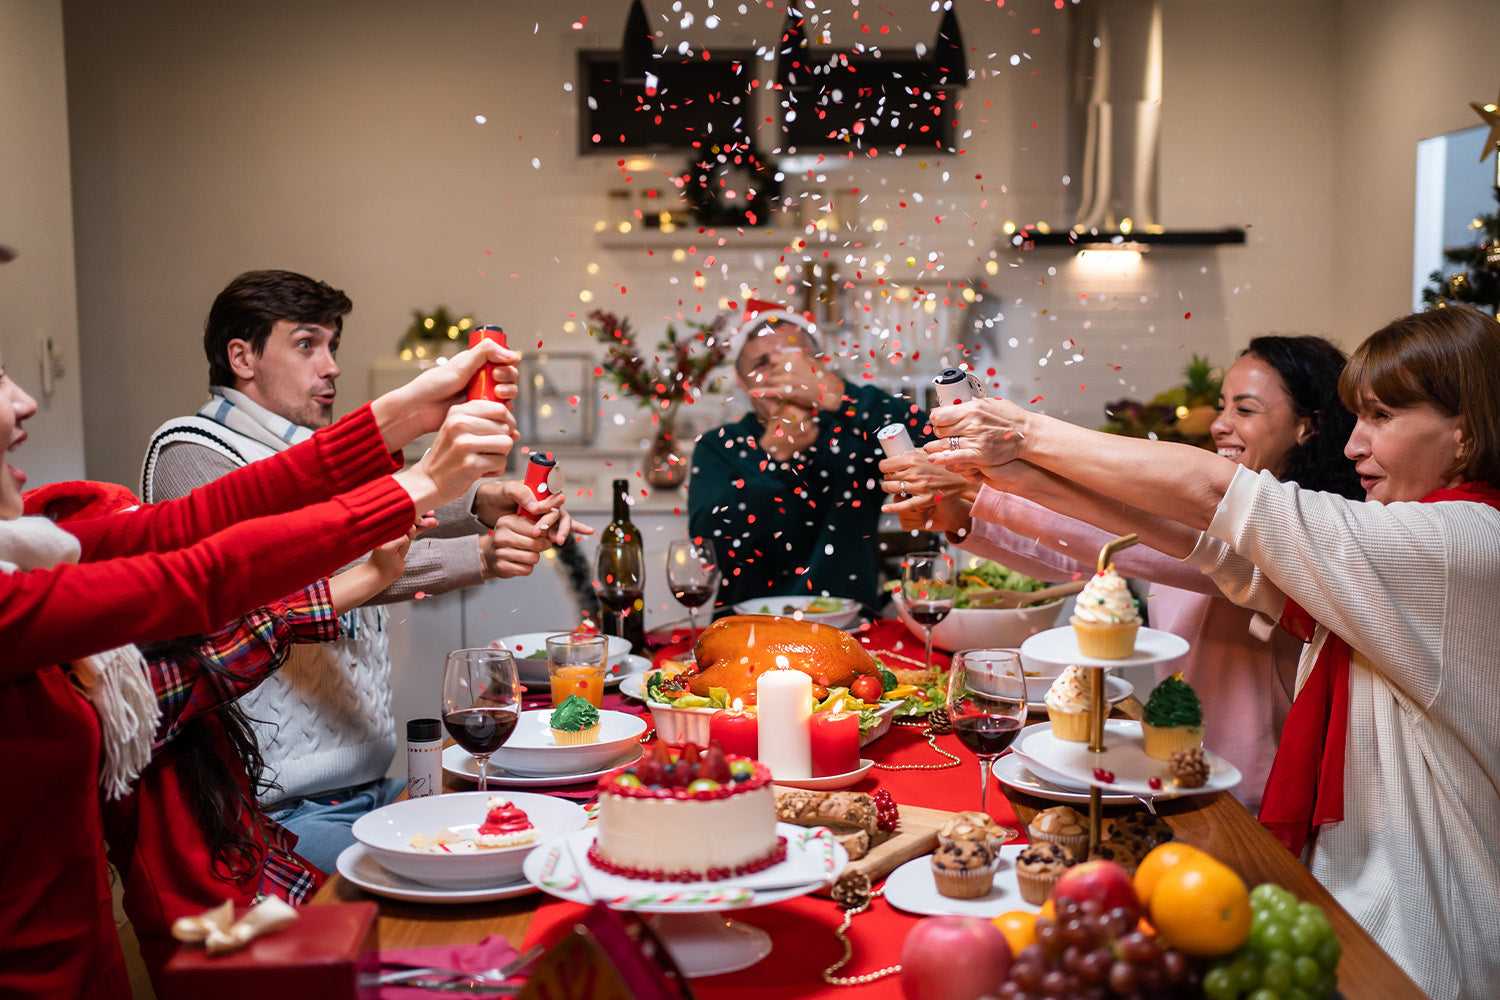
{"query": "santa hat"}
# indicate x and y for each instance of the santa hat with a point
(760, 314)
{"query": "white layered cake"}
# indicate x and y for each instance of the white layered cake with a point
(687, 819)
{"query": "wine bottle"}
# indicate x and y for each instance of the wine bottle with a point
(622, 574)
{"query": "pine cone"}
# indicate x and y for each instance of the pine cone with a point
(851, 891)
(1188, 768)
(938, 722)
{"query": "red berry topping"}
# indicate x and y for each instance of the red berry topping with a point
(661, 753)
(689, 756)
(649, 772)
(886, 813)
(715, 765)
(1155, 783)
(1100, 774)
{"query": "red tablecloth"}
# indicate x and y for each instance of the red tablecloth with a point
(802, 929)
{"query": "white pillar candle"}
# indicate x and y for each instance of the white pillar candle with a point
(783, 700)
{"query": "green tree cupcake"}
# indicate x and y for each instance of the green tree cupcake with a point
(1173, 719)
(574, 722)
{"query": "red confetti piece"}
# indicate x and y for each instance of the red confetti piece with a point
(1038, 399)
(1187, 315)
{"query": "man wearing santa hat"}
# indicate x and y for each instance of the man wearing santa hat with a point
(790, 493)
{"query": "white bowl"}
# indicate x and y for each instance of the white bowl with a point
(980, 628)
(532, 750)
(846, 615)
(387, 833)
(535, 671)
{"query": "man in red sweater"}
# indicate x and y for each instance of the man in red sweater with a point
(272, 339)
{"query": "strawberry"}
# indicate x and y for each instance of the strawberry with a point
(715, 765)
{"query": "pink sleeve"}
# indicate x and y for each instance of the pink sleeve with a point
(1050, 546)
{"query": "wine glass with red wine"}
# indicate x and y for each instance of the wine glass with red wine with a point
(693, 576)
(481, 702)
(619, 578)
(987, 705)
(928, 589)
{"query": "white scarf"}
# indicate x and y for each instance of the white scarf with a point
(113, 681)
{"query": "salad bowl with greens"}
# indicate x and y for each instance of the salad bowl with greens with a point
(968, 627)
(840, 612)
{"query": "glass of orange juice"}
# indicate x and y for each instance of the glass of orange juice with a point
(575, 665)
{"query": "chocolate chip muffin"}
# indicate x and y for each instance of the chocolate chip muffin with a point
(1139, 825)
(964, 869)
(1126, 853)
(1039, 867)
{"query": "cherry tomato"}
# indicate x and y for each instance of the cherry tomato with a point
(867, 689)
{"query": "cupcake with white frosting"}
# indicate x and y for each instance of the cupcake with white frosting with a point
(1068, 706)
(1106, 617)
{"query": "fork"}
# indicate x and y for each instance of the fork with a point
(400, 977)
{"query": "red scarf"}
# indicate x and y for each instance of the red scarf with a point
(1305, 788)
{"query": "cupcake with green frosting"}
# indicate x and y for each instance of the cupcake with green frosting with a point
(574, 722)
(1173, 719)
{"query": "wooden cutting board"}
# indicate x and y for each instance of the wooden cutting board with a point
(915, 836)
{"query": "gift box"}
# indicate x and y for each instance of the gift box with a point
(330, 952)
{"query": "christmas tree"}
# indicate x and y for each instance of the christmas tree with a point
(1473, 277)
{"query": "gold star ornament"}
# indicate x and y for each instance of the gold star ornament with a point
(1491, 115)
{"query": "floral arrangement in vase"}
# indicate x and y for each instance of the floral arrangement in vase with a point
(664, 380)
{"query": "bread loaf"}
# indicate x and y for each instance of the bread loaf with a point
(733, 652)
(835, 810)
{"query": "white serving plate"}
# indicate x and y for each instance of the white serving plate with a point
(360, 867)
(1059, 647)
(534, 671)
(830, 782)
(460, 763)
(532, 749)
(1115, 689)
(1016, 772)
(812, 860)
(847, 613)
(387, 833)
(911, 888)
(1124, 756)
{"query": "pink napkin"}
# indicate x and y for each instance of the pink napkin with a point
(490, 953)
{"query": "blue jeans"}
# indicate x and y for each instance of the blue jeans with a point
(322, 822)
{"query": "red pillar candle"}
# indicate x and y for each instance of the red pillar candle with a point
(737, 731)
(835, 743)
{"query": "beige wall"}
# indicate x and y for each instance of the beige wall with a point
(340, 139)
(37, 295)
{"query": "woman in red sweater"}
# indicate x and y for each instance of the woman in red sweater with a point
(72, 601)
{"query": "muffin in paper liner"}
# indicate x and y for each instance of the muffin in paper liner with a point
(1061, 825)
(565, 738)
(1039, 867)
(1114, 641)
(964, 869)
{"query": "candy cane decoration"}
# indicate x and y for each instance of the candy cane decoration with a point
(820, 839)
(549, 869)
(700, 897)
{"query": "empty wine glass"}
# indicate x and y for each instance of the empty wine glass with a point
(481, 702)
(693, 576)
(986, 705)
(928, 590)
(619, 578)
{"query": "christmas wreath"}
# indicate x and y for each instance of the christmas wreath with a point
(709, 182)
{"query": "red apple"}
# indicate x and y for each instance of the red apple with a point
(953, 958)
(1104, 881)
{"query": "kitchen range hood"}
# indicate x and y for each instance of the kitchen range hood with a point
(1114, 134)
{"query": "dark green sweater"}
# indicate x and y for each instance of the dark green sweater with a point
(807, 526)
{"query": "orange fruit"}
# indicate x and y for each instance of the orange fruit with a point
(1019, 928)
(1201, 907)
(1157, 861)
(1048, 909)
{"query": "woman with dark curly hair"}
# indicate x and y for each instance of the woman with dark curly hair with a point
(1279, 411)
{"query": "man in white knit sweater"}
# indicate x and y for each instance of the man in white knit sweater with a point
(324, 722)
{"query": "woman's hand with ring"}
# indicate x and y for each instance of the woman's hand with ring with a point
(977, 435)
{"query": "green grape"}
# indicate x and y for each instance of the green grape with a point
(1263, 994)
(1328, 952)
(1219, 984)
(1263, 893)
(1306, 935)
(1305, 971)
(1295, 993)
(1276, 975)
